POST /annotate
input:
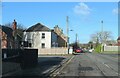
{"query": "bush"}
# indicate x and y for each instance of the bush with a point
(98, 48)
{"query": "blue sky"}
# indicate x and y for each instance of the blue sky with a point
(84, 17)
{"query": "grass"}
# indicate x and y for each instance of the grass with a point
(111, 52)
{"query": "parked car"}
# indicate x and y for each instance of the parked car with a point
(78, 50)
(91, 50)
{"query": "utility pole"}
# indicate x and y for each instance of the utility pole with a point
(76, 41)
(102, 30)
(102, 35)
(76, 38)
(67, 27)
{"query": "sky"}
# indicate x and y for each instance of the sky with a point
(60, 0)
(84, 17)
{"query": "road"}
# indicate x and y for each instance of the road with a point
(89, 64)
(84, 64)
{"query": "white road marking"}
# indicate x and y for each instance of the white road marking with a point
(107, 65)
(110, 67)
(64, 66)
(116, 73)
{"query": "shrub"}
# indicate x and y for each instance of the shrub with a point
(98, 48)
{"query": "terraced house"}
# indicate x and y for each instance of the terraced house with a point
(6, 36)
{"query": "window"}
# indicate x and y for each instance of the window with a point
(43, 35)
(43, 45)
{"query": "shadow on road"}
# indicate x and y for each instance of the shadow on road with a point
(44, 67)
(85, 69)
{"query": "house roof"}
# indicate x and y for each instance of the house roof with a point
(7, 30)
(118, 38)
(38, 27)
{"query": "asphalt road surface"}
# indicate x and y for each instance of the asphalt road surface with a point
(89, 64)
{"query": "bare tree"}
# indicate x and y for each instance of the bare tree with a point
(107, 36)
(20, 28)
(95, 38)
(101, 37)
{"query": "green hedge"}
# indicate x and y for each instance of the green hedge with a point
(98, 48)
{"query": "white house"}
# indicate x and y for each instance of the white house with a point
(40, 36)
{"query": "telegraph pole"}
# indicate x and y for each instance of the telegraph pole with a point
(102, 30)
(76, 38)
(102, 35)
(67, 27)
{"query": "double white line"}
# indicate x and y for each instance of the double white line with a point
(63, 67)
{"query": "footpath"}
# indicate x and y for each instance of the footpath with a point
(46, 66)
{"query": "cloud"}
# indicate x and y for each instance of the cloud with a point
(115, 11)
(82, 9)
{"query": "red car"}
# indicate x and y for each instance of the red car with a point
(78, 50)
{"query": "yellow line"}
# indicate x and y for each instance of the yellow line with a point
(64, 66)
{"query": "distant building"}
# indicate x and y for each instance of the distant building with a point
(40, 36)
(118, 41)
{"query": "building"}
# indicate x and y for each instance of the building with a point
(40, 36)
(61, 38)
(6, 36)
(118, 41)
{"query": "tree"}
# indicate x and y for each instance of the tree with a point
(101, 37)
(106, 36)
(20, 28)
(95, 38)
(90, 44)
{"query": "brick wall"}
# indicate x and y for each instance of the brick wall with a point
(3, 36)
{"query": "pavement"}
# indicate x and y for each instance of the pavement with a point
(46, 66)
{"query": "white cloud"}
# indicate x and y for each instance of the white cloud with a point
(115, 11)
(82, 9)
